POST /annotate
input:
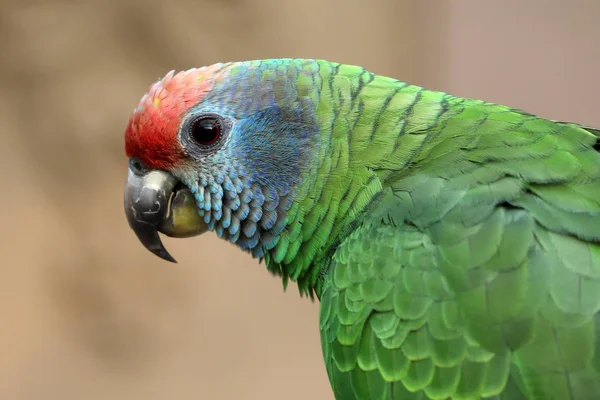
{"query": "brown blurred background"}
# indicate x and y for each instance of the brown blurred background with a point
(86, 312)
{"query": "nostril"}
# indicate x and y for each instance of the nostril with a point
(136, 166)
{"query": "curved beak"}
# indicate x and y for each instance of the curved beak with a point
(155, 202)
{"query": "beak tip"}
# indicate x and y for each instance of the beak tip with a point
(164, 254)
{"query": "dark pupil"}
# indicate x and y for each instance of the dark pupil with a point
(206, 131)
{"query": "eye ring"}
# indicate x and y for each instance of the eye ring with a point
(206, 131)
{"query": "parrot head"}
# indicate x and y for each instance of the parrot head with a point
(222, 148)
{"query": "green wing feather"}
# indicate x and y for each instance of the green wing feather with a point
(476, 274)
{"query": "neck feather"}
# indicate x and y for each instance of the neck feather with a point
(371, 127)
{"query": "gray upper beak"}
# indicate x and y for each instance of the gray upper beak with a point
(154, 202)
(147, 195)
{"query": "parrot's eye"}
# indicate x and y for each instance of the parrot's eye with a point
(204, 133)
(206, 130)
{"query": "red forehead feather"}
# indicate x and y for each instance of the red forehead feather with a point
(151, 134)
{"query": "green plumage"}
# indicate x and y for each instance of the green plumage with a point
(465, 237)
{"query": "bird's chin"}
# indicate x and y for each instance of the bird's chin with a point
(183, 220)
(155, 201)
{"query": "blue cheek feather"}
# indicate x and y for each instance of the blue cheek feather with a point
(246, 188)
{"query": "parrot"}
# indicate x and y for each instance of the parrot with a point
(452, 244)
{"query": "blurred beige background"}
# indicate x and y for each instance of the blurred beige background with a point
(86, 312)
